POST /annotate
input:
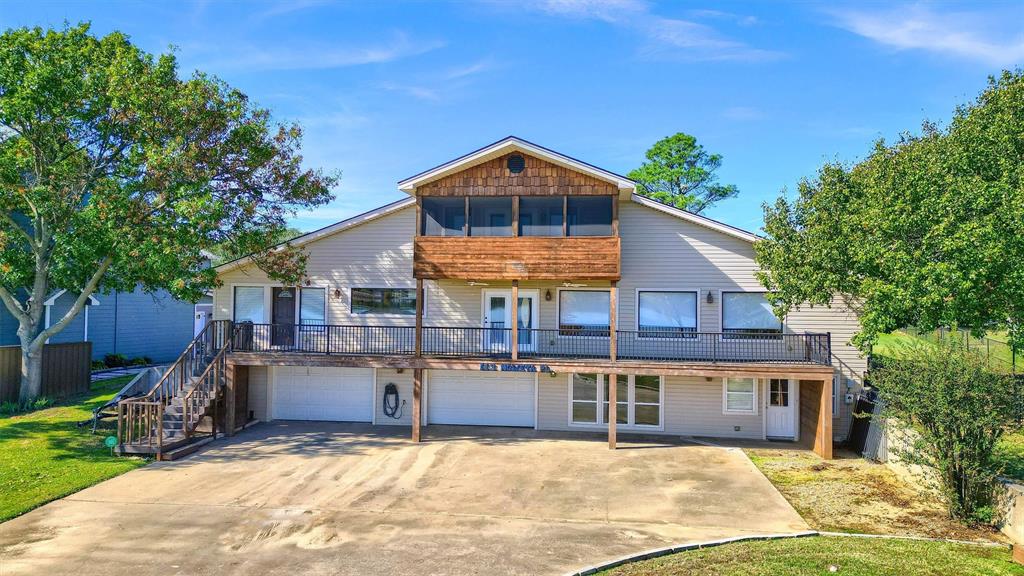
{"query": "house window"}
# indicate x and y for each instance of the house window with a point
(778, 393)
(638, 399)
(589, 215)
(748, 315)
(443, 216)
(541, 215)
(490, 216)
(663, 314)
(584, 398)
(646, 400)
(312, 306)
(249, 304)
(739, 395)
(583, 312)
(384, 301)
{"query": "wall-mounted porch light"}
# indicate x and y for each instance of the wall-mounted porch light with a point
(711, 297)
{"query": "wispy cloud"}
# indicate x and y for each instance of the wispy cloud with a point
(435, 86)
(967, 35)
(664, 37)
(309, 56)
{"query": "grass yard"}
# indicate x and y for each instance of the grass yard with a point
(1011, 452)
(852, 494)
(44, 455)
(816, 555)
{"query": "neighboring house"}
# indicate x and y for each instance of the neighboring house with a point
(489, 297)
(135, 324)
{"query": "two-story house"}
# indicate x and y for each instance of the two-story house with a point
(517, 286)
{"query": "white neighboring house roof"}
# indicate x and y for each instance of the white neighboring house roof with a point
(696, 219)
(93, 301)
(330, 230)
(504, 146)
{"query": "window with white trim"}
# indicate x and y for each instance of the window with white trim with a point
(312, 307)
(666, 314)
(384, 301)
(748, 315)
(584, 398)
(584, 312)
(248, 304)
(739, 395)
(639, 399)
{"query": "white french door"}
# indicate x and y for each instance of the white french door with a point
(497, 315)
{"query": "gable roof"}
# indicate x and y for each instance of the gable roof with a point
(329, 230)
(93, 300)
(504, 146)
(696, 218)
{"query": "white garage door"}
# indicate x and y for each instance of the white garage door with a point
(480, 398)
(340, 394)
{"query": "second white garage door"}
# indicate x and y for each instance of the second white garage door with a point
(316, 393)
(480, 398)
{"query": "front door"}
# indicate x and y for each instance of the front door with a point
(781, 413)
(497, 318)
(283, 317)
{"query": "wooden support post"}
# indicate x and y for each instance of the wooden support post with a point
(419, 317)
(515, 215)
(229, 400)
(515, 320)
(824, 439)
(417, 401)
(613, 408)
(612, 324)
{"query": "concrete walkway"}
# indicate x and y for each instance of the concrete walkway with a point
(320, 498)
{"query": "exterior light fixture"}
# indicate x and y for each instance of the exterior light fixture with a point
(337, 294)
(711, 297)
(547, 294)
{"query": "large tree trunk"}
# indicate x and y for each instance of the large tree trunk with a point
(31, 373)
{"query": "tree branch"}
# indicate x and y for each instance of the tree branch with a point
(13, 306)
(87, 291)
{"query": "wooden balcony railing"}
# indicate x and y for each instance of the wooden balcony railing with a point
(535, 344)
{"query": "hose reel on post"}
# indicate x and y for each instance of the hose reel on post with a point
(391, 406)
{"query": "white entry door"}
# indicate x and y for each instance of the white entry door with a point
(497, 315)
(480, 398)
(321, 393)
(781, 413)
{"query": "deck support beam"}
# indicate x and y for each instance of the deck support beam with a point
(231, 384)
(823, 444)
(515, 320)
(613, 294)
(417, 402)
(419, 317)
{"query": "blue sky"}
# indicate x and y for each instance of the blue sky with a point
(385, 90)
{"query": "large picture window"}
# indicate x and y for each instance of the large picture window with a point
(312, 307)
(249, 304)
(748, 315)
(638, 400)
(664, 314)
(490, 216)
(443, 216)
(541, 215)
(384, 301)
(739, 395)
(589, 215)
(583, 312)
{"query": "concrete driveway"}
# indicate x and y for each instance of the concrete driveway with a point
(322, 498)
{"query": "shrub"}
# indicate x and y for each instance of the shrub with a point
(141, 361)
(958, 410)
(115, 360)
(11, 408)
(8, 408)
(98, 365)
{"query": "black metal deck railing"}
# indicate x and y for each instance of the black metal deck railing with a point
(535, 344)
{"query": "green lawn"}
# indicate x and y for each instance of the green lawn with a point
(815, 556)
(1011, 452)
(44, 455)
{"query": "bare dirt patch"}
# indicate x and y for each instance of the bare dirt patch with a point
(852, 494)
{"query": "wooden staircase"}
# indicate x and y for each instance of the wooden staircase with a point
(165, 422)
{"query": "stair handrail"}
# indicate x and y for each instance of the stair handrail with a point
(212, 329)
(216, 366)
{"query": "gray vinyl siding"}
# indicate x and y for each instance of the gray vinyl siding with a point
(74, 331)
(403, 382)
(154, 325)
(375, 254)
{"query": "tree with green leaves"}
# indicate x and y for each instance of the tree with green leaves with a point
(681, 173)
(944, 410)
(115, 173)
(926, 232)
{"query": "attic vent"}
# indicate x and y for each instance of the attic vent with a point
(516, 163)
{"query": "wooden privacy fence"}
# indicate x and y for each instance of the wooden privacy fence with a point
(66, 370)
